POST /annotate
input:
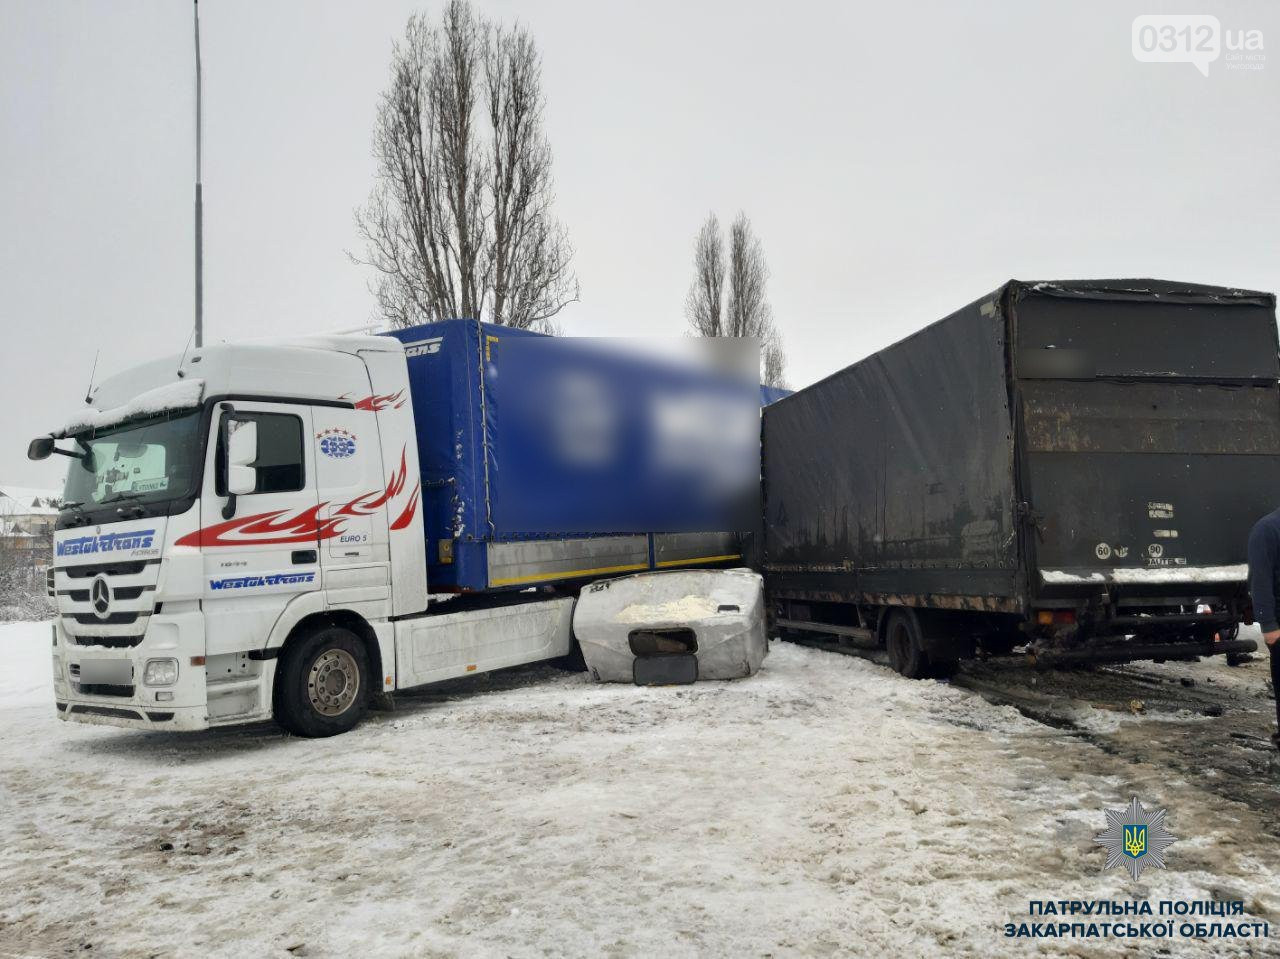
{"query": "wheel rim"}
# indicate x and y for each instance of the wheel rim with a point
(333, 682)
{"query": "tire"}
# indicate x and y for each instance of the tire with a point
(322, 685)
(905, 645)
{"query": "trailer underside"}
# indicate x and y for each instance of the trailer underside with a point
(1068, 628)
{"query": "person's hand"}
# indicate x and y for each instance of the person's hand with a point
(1271, 637)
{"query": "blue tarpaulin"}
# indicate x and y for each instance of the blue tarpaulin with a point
(523, 436)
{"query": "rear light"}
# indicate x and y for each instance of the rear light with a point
(1056, 617)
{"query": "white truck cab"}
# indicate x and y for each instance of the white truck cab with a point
(242, 539)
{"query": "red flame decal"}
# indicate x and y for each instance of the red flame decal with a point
(380, 401)
(363, 505)
(410, 508)
(280, 527)
(264, 529)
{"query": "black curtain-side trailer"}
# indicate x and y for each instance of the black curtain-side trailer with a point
(1074, 465)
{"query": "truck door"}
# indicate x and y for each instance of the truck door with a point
(257, 558)
(354, 487)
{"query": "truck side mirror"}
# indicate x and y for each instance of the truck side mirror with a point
(42, 447)
(241, 480)
(239, 442)
(242, 450)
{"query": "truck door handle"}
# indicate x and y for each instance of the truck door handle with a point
(303, 556)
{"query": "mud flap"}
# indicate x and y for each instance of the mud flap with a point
(944, 637)
(672, 670)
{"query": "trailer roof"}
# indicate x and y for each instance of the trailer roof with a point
(1167, 291)
(1170, 291)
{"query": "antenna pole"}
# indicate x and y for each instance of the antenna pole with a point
(199, 199)
(88, 394)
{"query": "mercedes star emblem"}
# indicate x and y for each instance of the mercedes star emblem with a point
(100, 596)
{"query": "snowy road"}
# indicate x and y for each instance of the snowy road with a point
(823, 807)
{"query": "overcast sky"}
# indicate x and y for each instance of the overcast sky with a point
(898, 160)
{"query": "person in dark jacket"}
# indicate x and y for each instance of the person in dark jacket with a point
(1264, 583)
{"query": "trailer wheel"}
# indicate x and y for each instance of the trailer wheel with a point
(905, 645)
(322, 687)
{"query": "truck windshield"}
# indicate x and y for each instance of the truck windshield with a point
(143, 463)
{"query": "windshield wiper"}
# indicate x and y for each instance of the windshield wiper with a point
(121, 497)
(78, 506)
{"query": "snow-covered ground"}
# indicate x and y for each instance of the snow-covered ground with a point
(822, 807)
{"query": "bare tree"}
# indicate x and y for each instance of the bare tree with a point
(459, 222)
(705, 304)
(23, 553)
(741, 309)
(774, 359)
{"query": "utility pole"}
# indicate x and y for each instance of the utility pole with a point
(199, 198)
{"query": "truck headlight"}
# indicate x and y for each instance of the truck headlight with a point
(160, 672)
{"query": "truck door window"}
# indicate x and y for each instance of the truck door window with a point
(279, 463)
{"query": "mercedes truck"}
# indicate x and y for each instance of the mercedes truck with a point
(295, 529)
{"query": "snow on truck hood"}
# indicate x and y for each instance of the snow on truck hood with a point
(181, 395)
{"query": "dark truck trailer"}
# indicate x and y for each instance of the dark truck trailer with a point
(1074, 465)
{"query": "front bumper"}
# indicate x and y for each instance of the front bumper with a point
(191, 703)
(132, 716)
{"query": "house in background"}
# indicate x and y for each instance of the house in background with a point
(27, 517)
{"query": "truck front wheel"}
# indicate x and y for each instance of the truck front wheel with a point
(322, 687)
